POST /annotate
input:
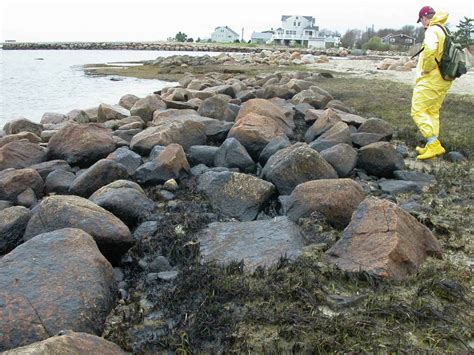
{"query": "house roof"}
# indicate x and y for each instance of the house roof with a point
(311, 28)
(399, 35)
(285, 17)
(228, 28)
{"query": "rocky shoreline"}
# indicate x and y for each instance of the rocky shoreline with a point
(108, 215)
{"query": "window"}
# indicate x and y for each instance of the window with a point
(408, 40)
(299, 24)
(392, 40)
(294, 24)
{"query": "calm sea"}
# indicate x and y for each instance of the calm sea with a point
(38, 81)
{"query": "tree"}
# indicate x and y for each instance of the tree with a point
(375, 43)
(350, 38)
(181, 37)
(463, 34)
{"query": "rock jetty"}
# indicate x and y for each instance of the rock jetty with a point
(82, 194)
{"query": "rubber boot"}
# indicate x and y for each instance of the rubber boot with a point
(421, 150)
(432, 150)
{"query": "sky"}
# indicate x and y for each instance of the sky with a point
(147, 20)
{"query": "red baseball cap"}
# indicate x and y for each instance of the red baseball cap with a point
(425, 10)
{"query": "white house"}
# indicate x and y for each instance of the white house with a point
(296, 29)
(224, 34)
(262, 37)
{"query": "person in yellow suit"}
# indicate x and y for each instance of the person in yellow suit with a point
(430, 88)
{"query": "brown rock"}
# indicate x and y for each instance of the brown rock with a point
(127, 101)
(56, 212)
(336, 199)
(21, 154)
(81, 145)
(146, 106)
(69, 342)
(384, 240)
(111, 112)
(323, 123)
(14, 181)
(31, 137)
(22, 125)
(267, 108)
(55, 281)
(255, 131)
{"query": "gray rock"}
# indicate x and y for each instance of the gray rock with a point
(111, 112)
(27, 198)
(129, 159)
(53, 118)
(202, 154)
(167, 275)
(159, 264)
(146, 106)
(455, 157)
(218, 108)
(234, 194)
(129, 203)
(44, 169)
(5, 204)
(394, 187)
(13, 222)
(59, 182)
(232, 154)
(100, 174)
(380, 159)
(127, 134)
(361, 139)
(156, 151)
(257, 243)
(127, 101)
(339, 133)
(294, 165)
(56, 212)
(410, 175)
(342, 157)
(146, 230)
(79, 116)
(55, 281)
(272, 147)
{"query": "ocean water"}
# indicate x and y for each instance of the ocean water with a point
(30, 86)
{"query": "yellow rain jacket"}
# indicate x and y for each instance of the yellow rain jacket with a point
(430, 88)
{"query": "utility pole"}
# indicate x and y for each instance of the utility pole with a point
(242, 39)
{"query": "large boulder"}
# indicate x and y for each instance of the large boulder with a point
(339, 133)
(100, 174)
(21, 154)
(31, 137)
(294, 165)
(257, 243)
(384, 240)
(146, 106)
(217, 107)
(232, 154)
(13, 222)
(314, 96)
(171, 163)
(380, 159)
(272, 147)
(126, 200)
(15, 181)
(268, 109)
(127, 158)
(56, 212)
(81, 145)
(255, 131)
(377, 125)
(111, 112)
(324, 122)
(22, 125)
(59, 182)
(184, 133)
(335, 199)
(342, 157)
(202, 154)
(69, 342)
(127, 101)
(55, 281)
(234, 194)
(53, 118)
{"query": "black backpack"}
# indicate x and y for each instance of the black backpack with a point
(453, 62)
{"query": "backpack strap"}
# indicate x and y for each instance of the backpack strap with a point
(417, 53)
(445, 30)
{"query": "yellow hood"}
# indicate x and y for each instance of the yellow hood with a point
(439, 18)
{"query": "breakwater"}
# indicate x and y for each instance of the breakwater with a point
(155, 46)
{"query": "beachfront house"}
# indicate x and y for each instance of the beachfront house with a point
(224, 34)
(398, 40)
(296, 29)
(302, 30)
(262, 37)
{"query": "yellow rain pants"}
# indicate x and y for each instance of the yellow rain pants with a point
(430, 88)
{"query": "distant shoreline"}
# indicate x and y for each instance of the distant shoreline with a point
(159, 46)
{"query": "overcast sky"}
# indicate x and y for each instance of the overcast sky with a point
(147, 20)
